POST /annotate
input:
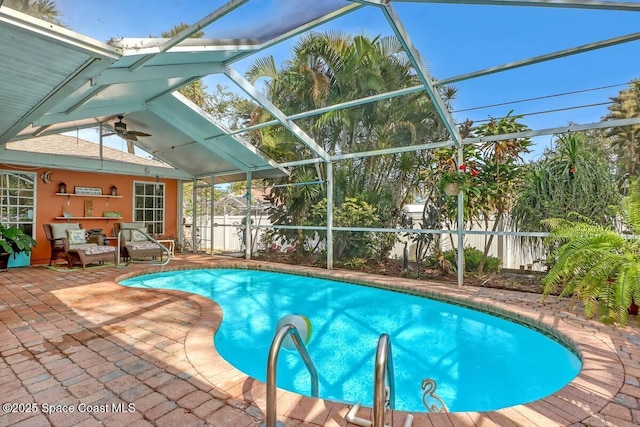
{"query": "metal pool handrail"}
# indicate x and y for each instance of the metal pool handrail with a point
(383, 364)
(271, 369)
(164, 248)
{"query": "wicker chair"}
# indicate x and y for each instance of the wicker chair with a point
(57, 244)
(135, 245)
(79, 252)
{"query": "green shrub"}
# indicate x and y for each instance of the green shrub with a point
(472, 258)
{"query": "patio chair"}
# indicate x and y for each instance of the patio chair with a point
(134, 244)
(69, 241)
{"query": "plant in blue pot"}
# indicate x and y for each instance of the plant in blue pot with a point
(13, 241)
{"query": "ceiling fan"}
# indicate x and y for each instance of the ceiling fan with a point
(120, 128)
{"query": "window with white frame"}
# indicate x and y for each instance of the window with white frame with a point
(17, 199)
(148, 205)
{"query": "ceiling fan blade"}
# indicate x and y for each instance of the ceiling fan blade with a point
(129, 136)
(137, 133)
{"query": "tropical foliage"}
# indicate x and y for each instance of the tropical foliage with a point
(472, 259)
(596, 264)
(576, 176)
(330, 68)
(492, 175)
(625, 140)
(353, 212)
(14, 241)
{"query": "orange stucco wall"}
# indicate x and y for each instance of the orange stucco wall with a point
(49, 205)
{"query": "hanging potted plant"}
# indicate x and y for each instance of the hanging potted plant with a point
(12, 242)
(454, 181)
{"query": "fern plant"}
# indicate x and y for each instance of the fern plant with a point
(597, 264)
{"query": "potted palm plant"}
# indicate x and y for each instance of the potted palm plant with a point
(12, 242)
(596, 264)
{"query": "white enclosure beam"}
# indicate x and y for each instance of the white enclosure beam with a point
(552, 131)
(339, 106)
(329, 216)
(247, 219)
(265, 103)
(450, 143)
(296, 31)
(460, 222)
(414, 56)
(571, 4)
(189, 31)
(541, 58)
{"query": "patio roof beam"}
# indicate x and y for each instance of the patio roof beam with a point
(265, 103)
(340, 106)
(64, 89)
(27, 158)
(107, 110)
(541, 58)
(174, 88)
(61, 35)
(414, 56)
(303, 162)
(204, 141)
(156, 72)
(571, 4)
(195, 134)
(189, 31)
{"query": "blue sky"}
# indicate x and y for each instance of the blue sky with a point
(453, 39)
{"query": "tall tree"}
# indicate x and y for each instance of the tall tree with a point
(626, 139)
(501, 171)
(329, 68)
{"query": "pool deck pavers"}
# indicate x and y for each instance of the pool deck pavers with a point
(77, 349)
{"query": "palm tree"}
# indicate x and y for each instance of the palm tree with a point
(41, 9)
(329, 68)
(596, 264)
(626, 138)
(501, 175)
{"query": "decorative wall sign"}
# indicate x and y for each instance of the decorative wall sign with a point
(88, 208)
(89, 191)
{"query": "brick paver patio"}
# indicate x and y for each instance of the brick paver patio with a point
(77, 349)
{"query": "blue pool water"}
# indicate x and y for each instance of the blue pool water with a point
(480, 362)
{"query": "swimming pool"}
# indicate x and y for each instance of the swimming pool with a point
(479, 362)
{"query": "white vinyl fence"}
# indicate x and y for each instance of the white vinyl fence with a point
(228, 237)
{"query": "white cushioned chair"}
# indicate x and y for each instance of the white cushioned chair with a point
(69, 241)
(134, 244)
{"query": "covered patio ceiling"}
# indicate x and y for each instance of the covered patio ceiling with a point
(54, 80)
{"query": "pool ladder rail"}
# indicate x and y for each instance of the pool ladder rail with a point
(272, 362)
(383, 395)
(152, 262)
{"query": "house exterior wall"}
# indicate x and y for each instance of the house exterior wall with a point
(49, 205)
